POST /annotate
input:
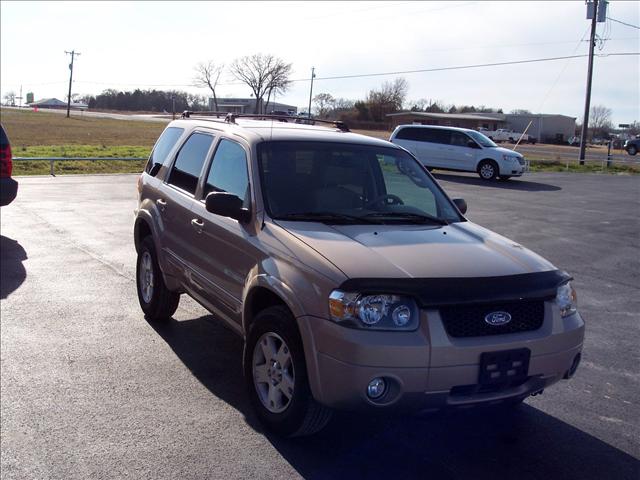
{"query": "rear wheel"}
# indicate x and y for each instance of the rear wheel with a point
(156, 300)
(632, 150)
(276, 376)
(488, 170)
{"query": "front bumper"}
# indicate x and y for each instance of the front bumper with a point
(427, 369)
(8, 190)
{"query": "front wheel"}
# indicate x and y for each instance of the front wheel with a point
(488, 170)
(156, 300)
(632, 150)
(276, 376)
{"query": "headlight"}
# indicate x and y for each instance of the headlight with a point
(567, 300)
(510, 158)
(376, 312)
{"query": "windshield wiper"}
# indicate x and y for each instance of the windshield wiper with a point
(416, 217)
(325, 217)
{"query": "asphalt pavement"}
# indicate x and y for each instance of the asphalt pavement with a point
(89, 389)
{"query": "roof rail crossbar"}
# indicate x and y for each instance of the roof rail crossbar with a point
(203, 113)
(231, 118)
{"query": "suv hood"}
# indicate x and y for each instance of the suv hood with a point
(506, 151)
(417, 251)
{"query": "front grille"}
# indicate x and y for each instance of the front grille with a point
(469, 320)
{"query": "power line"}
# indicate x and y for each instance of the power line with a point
(623, 23)
(462, 67)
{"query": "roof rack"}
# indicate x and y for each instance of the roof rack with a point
(231, 118)
(204, 113)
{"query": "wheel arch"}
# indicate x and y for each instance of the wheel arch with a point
(265, 291)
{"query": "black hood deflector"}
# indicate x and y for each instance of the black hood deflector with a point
(434, 292)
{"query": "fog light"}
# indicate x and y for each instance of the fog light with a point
(376, 388)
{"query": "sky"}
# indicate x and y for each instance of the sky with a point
(128, 45)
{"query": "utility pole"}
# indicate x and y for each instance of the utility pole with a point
(73, 54)
(313, 75)
(595, 14)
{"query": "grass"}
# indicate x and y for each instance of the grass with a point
(47, 134)
(37, 167)
(27, 128)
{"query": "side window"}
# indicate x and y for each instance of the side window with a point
(459, 139)
(228, 171)
(438, 135)
(163, 146)
(188, 165)
(405, 134)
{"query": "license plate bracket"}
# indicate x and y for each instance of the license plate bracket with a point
(504, 367)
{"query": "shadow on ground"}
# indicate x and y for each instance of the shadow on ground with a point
(513, 184)
(12, 271)
(526, 443)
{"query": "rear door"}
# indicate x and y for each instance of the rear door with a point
(420, 141)
(177, 197)
(223, 249)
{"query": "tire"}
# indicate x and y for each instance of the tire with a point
(632, 150)
(504, 178)
(157, 302)
(488, 170)
(274, 341)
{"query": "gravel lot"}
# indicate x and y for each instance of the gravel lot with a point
(91, 390)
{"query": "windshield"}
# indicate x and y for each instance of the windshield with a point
(344, 183)
(481, 139)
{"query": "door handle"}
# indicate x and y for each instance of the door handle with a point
(197, 224)
(162, 204)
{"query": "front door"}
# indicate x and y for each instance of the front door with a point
(458, 153)
(225, 249)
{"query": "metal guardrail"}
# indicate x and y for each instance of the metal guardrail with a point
(52, 160)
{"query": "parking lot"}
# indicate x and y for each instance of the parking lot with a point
(91, 390)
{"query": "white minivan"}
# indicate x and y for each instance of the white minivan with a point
(461, 149)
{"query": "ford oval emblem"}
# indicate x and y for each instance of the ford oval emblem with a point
(498, 318)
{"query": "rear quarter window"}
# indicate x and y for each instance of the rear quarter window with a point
(163, 146)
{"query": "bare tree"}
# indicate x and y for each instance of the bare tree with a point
(10, 98)
(324, 103)
(264, 74)
(278, 82)
(388, 99)
(600, 120)
(207, 75)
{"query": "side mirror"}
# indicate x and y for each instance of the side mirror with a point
(226, 205)
(461, 204)
(472, 144)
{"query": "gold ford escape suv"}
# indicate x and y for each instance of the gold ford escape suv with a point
(355, 282)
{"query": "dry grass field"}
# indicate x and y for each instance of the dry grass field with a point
(28, 128)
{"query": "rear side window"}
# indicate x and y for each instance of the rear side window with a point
(228, 172)
(410, 133)
(188, 165)
(163, 146)
(436, 135)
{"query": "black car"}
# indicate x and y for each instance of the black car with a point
(8, 186)
(632, 146)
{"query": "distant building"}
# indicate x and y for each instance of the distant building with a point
(546, 128)
(462, 120)
(248, 105)
(55, 103)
